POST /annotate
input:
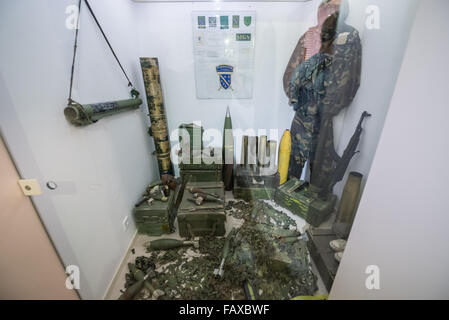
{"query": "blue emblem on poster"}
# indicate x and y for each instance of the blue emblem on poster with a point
(224, 74)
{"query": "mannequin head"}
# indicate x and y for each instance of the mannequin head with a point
(329, 7)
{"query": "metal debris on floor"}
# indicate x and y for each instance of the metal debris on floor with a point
(265, 258)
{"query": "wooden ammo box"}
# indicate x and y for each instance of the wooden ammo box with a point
(198, 164)
(205, 170)
(294, 195)
(205, 220)
(158, 218)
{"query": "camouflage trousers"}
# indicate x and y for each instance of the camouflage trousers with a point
(304, 140)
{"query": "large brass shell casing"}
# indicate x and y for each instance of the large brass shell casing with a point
(348, 204)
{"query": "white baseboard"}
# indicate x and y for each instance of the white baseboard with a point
(107, 295)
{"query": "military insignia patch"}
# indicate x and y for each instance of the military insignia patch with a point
(224, 22)
(212, 22)
(243, 37)
(224, 75)
(235, 22)
(201, 22)
(247, 21)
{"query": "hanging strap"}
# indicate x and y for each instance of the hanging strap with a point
(107, 41)
(133, 91)
(74, 52)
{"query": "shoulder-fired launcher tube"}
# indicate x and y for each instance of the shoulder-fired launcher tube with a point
(85, 114)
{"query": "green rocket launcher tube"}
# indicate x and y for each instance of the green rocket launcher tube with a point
(85, 114)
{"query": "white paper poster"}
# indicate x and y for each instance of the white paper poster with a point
(223, 44)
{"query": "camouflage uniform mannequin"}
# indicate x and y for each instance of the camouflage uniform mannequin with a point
(310, 42)
(324, 84)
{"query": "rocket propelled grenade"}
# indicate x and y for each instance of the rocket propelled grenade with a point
(201, 191)
(200, 199)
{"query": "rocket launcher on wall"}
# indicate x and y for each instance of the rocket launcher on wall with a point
(285, 148)
(85, 114)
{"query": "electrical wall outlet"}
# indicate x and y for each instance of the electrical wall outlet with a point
(125, 223)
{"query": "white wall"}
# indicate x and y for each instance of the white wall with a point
(402, 221)
(165, 31)
(101, 169)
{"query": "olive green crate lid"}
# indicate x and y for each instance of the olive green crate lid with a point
(193, 211)
(157, 208)
(201, 175)
(292, 190)
(201, 166)
(205, 161)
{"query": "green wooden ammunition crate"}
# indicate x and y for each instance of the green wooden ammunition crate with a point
(208, 160)
(200, 166)
(195, 134)
(202, 175)
(157, 219)
(294, 195)
(246, 177)
(205, 220)
(253, 193)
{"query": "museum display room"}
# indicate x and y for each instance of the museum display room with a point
(223, 150)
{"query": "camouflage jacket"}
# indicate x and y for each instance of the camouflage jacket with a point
(341, 85)
(308, 83)
(318, 90)
(343, 80)
(330, 81)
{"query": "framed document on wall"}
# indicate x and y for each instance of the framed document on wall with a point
(223, 44)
